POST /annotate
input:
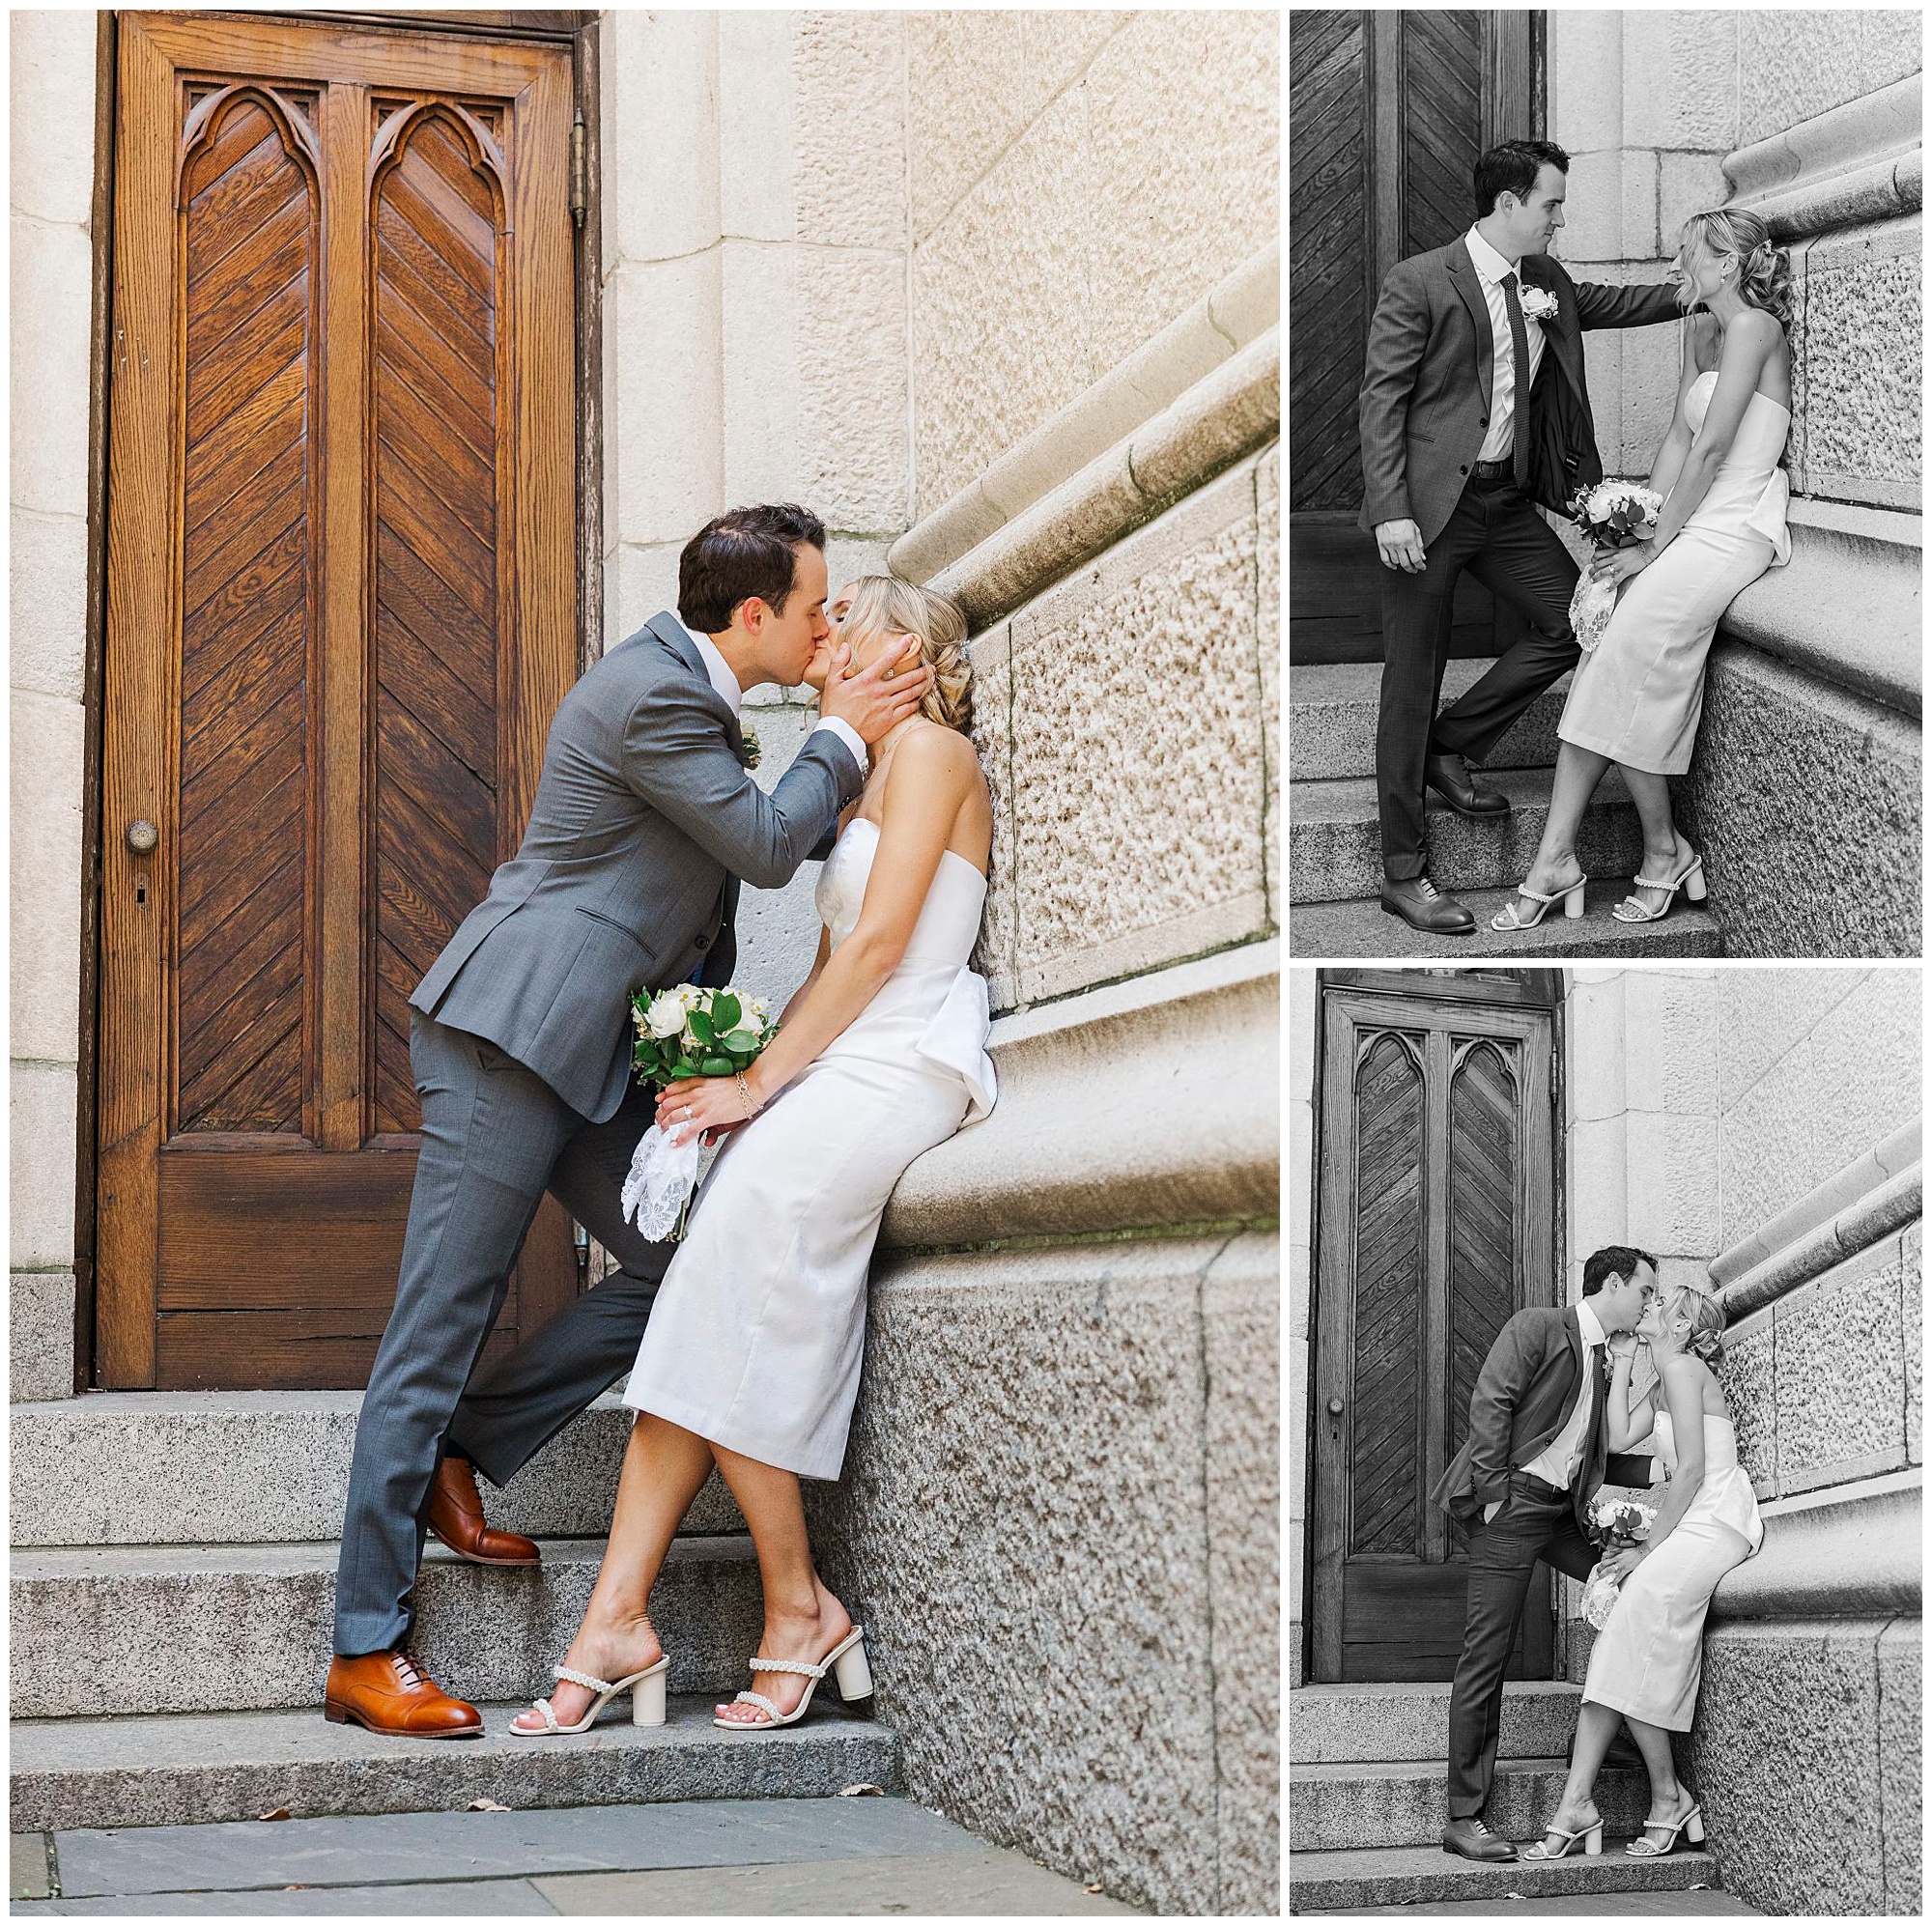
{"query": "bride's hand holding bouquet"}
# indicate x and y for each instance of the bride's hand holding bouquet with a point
(1619, 517)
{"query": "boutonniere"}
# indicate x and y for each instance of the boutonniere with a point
(749, 747)
(1538, 304)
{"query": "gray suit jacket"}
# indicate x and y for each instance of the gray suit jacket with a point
(1424, 400)
(642, 817)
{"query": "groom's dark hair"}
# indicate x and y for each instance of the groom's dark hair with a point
(1511, 169)
(1612, 1261)
(743, 553)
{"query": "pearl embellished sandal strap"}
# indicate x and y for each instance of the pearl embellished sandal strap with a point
(577, 1678)
(797, 1665)
(549, 1711)
(763, 1704)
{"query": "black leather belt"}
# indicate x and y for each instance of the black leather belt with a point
(1490, 473)
(1541, 1487)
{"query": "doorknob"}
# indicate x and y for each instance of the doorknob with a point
(1334, 1407)
(142, 836)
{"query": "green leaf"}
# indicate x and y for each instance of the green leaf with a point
(700, 1025)
(725, 1013)
(716, 1066)
(740, 1043)
(682, 1068)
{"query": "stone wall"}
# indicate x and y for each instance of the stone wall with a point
(1812, 119)
(51, 235)
(1758, 1129)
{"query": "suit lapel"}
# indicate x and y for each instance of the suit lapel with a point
(670, 632)
(1560, 338)
(1468, 286)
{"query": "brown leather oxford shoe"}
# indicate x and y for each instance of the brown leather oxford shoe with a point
(456, 1517)
(390, 1694)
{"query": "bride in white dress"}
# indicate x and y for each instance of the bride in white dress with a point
(1646, 1664)
(751, 1359)
(1638, 699)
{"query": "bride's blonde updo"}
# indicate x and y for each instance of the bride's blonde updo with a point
(885, 605)
(1764, 270)
(1694, 1322)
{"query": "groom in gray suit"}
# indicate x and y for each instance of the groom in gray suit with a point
(645, 820)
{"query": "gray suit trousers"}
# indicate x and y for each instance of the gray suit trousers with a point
(494, 1138)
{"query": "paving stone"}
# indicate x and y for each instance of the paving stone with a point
(406, 1847)
(1610, 1904)
(27, 1874)
(983, 1881)
(471, 1899)
(1411, 1876)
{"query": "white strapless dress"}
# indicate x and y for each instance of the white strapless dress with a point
(1648, 1661)
(1638, 696)
(759, 1326)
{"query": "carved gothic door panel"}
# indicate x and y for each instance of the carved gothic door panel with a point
(1437, 1206)
(341, 610)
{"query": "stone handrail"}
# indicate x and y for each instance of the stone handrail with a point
(1860, 162)
(1240, 309)
(1842, 1553)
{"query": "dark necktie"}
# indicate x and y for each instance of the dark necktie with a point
(1519, 357)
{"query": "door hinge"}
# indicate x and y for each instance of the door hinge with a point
(579, 172)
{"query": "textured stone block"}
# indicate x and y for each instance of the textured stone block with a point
(1362, 1807)
(1055, 1518)
(640, 579)
(1764, 1014)
(847, 69)
(997, 956)
(1841, 1375)
(1804, 800)
(1765, 1158)
(853, 455)
(1861, 329)
(760, 373)
(41, 1130)
(1593, 213)
(1596, 1051)
(1585, 79)
(1805, 1691)
(963, 105)
(47, 735)
(1057, 45)
(1384, 1723)
(1240, 1323)
(1796, 62)
(52, 55)
(52, 270)
(1003, 300)
(1681, 91)
(1267, 643)
(1172, 610)
(1184, 195)
(1911, 1254)
(1600, 1187)
(663, 441)
(754, 177)
(1901, 1692)
(40, 1327)
(1749, 1381)
(1688, 184)
(47, 604)
(1865, 1058)
(1671, 1019)
(778, 929)
(660, 137)
(1673, 1165)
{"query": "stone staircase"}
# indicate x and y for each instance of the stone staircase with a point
(1335, 847)
(1365, 1776)
(172, 1584)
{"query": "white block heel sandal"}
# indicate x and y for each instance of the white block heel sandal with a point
(647, 1699)
(846, 1662)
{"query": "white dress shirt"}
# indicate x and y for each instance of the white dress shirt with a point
(1564, 1452)
(1491, 267)
(725, 682)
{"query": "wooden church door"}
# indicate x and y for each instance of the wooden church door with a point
(1388, 111)
(1437, 1206)
(341, 610)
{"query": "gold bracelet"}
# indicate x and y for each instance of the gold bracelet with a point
(745, 1096)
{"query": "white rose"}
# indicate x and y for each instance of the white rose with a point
(666, 1016)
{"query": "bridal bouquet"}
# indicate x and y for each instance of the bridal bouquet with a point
(683, 1032)
(1614, 515)
(1617, 1523)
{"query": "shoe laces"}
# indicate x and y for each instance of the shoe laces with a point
(407, 1671)
(1427, 889)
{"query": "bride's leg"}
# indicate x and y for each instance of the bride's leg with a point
(1665, 852)
(1667, 1798)
(802, 1620)
(1596, 1727)
(664, 1467)
(1578, 771)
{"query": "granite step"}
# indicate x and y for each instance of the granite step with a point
(205, 1768)
(1332, 710)
(1421, 1875)
(1334, 842)
(181, 1628)
(1378, 1724)
(272, 1468)
(1357, 1806)
(1364, 928)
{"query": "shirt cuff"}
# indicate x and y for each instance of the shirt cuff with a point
(849, 736)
